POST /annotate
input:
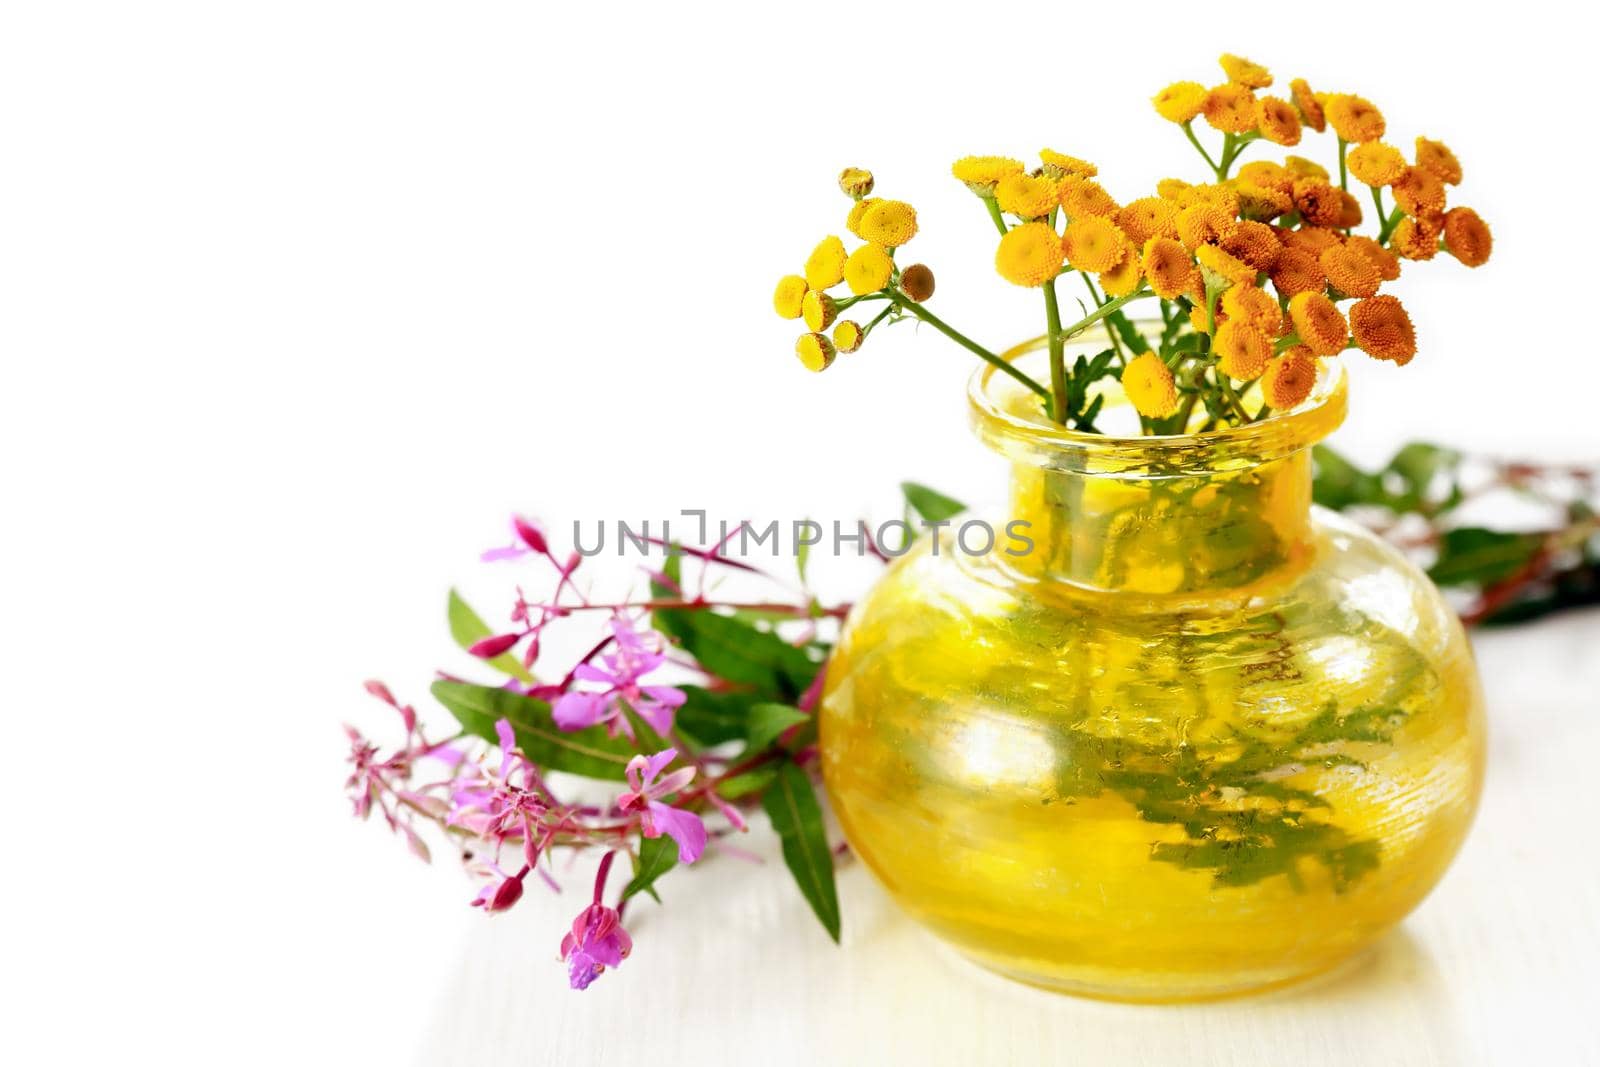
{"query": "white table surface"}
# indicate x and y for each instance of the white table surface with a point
(1500, 964)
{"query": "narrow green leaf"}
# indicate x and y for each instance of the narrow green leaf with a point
(645, 737)
(589, 752)
(712, 717)
(767, 721)
(657, 856)
(932, 505)
(1473, 555)
(467, 629)
(738, 652)
(797, 818)
(742, 785)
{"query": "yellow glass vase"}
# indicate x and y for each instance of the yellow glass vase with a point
(1204, 738)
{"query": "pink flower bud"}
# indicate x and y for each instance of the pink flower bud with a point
(490, 647)
(381, 691)
(531, 535)
(505, 895)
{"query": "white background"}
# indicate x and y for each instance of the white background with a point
(300, 300)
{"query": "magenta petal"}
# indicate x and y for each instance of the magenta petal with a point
(490, 647)
(531, 535)
(574, 711)
(684, 827)
(665, 695)
(497, 555)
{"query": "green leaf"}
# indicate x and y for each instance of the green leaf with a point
(467, 629)
(738, 652)
(1340, 484)
(713, 717)
(797, 818)
(933, 506)
(657, 856)
(802, 556)
(590, 752)
(742, 785)
(768, 721)
(1472, 555)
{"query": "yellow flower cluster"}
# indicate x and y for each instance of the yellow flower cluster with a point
(868, 271)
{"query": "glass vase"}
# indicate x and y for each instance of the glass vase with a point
(1198, 737)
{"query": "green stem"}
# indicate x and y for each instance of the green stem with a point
(1111, 331)
(850, 301)
(994, 213)
(1058, 363)
(1344, 174)
(1101, 312)
(1387, 230)
(885, 313)
(966, 342)
(1188, 131)
(1377, 202)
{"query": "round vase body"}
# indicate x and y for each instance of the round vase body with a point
(1200, 738)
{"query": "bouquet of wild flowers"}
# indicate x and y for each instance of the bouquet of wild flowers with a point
(1259, 272)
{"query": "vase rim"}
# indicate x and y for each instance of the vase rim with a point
(1005, 416)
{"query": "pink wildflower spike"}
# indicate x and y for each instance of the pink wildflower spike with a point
(531, 535)
(635, 656)
(490, 647)
(597, 939)
(381, 691)
(494, 898)
(657, 818)
(729, 812)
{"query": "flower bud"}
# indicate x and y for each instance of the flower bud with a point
(819, 310)
(916, 281)
(855, 182)
(816, 352)
(531, 535)
(847, 336)
(490, 647)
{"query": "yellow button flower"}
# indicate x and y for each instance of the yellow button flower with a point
(982, 173)
(1025, 196)
(1059, 165)
(1301, 167)
(1348, 271)
(825, 266)
(1029, 255)
(1306, 102)
(847, 336)
(1376, 163)
(890, 223)
(1243, 72)
(1230, 108)
(1253, 243)
(1124, 278)
(858, 210)
(818, 309)
(1180, 102)
(816, 352)
(855, 182)
(1278, 121)
(1297, 271)
(1319, 203)
(1093, 244)
(1082, 196)
(1467, 237)
(1353, 118)
(868, 269)
(1242, 350)
(1383, 330)
(1419, 191)
(1220, 268)
(786, 298)
(1168, 266)
(1255, 307)
(1434, 156)
(1149, 386)
(1289, 378)
(1318, 323)
(1417, 238)
(1203, 223)
(1148, 217)
(1387, 262)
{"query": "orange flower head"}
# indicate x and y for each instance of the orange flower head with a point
(1467, 237)
(890, 223)
(1148, 217)
(1203, 223)
(1241, 71)
(1029, 255)
(1417, 238)
(1320, 203)
(1093, 244)
(1383, 330)
(1349, 211)
(1434, 157)
(1058, 165)
(1305, 102)
(1219, 267)
(1278, 121)
(1255, 307)
(1297, 271)
(1082, 196)
(1230, 108)
(1301, 167)
(1254, 243)
(1289, 378)
(1311, 239)
(1353, 118)
(1197, 319)
(1025, 196)
(1124, 278)
(1172, 188)
(1348, 271)
(1376, 163)
(1180, 102)
(1221, 197)
(1261, 202)
(1242, 350)
(1149, 386)
(1168, 266)
(1387, 262)
(1268, 174)
(1419, 192)
(1318, 322)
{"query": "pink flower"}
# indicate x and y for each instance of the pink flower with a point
(498, 809)
(532, 538)
(596, 941)
(657, 818)
(636, 655)
(496, 897)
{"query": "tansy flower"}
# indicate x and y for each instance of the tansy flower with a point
(1124, 278)
(1148, 217)
(1230, 108)
(1305, 102)
(1268, 174)
(1297, 271)
(1467, 237)
(1083, 196)
(1029, 255)
(1353, 118)
(1242, 350)
(916, 281)
(818, 309)
(1221, 197)
(1149, 386)
(1301, 167)
(1059, 165)
(1320, 203)
(1243, 72)
(1180, 102)
(1318, 322)
(1261, 202)
(1254, 243)
(1025, 196)
(815, 351)
(1171, 188)
(983, 173)
(1289, 378)
(868, 269)
(1311, 239)
(855, 182)
(1434, 157)
(1254, 307)
(1278, 120)
(1197, 319)
(1387, 262)
(1093, 244)
(1348, 271)
(1168, 266)
(858, 211)
(1203, 223)
(890, 223)
(1383, 330)
(847, 336)
(1417, 238)
(786, 298)
(1376, 163)
(825, 265)
(1219, 267)
(1349, 211)
(1419, 192)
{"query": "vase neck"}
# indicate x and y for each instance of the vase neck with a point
(1152, 531)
